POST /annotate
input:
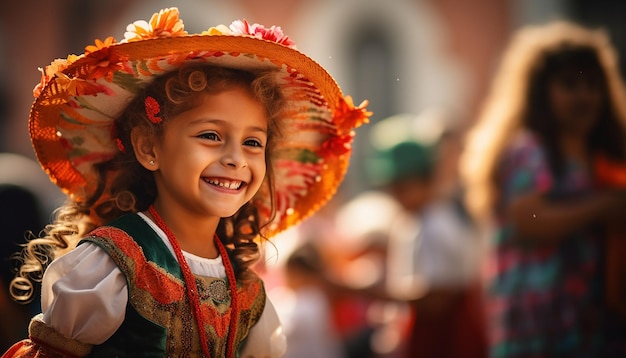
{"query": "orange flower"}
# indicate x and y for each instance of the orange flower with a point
(103, 60)
(79, 87)
(99, 45)
(47, 73)
(165, 23)
(348, 117)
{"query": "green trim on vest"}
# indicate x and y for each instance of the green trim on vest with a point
(154, 249)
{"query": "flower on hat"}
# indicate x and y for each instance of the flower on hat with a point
(102, 61)
(99, 45)
(337, 145)
(348, 116)
(80, 87)
(242, 27)
(274, 33)
(48, 72)
(73, 86)
(165, 23)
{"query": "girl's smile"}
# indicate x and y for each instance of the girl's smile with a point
(211, 159)
(227, 184)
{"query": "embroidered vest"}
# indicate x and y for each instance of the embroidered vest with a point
(158, 321)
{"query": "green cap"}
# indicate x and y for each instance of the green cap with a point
(403, 146)
(402, 161)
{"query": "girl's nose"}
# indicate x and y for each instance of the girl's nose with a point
(233, 157)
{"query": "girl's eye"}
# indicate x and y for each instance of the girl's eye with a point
(209, 136)
(253, 143)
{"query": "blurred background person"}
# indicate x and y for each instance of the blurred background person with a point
(304, 307)
(341, 268)
(372, 323)
(19, 213)
(26, 200)
(557, 105)
(434, 251)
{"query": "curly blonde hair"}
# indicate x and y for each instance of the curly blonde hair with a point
(516, 102)
(127, 187)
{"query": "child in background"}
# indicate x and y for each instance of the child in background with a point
(557, 105)
(177, 152)
(433, 249)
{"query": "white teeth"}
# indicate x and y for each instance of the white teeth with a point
(235, 184)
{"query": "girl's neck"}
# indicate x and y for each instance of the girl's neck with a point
(193, 233)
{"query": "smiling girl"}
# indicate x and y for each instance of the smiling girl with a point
(178, 153)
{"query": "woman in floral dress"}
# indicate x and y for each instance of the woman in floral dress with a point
(556, 108)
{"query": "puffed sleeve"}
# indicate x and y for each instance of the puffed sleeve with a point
(266, 338)
(84, 295)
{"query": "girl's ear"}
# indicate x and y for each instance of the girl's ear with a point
(144, 148)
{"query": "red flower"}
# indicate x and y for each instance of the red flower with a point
(152, 109)
(337, 145)
(348, 117)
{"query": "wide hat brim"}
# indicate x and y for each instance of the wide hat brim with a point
(71, 120)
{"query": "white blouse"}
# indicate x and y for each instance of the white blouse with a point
(84, 297)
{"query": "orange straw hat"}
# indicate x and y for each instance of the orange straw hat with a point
(78, 99)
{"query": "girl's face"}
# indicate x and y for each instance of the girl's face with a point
(211, 159)
(576, 100)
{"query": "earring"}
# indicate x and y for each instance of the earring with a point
(151, 162)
